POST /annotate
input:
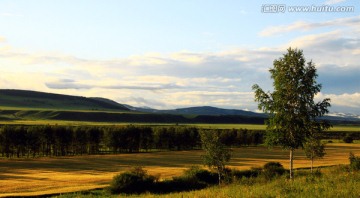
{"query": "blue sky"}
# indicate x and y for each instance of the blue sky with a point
(169, 54)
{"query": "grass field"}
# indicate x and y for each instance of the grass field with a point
(263, 127)
(24, 177)
(351, 128)
(334, 182)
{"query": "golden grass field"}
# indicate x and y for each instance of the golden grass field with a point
(24, 177)
(351, 128)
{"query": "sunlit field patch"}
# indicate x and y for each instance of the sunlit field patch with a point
(22, 177)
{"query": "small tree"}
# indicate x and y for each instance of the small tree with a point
(354, 162)
(291, 107)
(216, 154)
(314, 149)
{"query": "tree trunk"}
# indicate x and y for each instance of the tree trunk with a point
(312, 162)
(291, 163)
(219, 173)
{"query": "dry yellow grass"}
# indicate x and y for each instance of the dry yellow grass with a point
(23, 177)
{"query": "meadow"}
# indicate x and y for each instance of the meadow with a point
(335, 181)
(339, 128)
(39, 176)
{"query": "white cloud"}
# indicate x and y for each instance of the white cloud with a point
(2, 39)
(314, 39)
(346, 99)
(181, 79)
(142, 102)
(307, 26)
(9, 14)
(331, 2)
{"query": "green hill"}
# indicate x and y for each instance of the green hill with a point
(122, 117)
(41, 100)
(32, 105)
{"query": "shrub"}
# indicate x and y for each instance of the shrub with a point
(193, 178)
(201, 175)
(272, 169)
(340, 169)
(253, 172)
(348, 138)
(354, 162)
(177, 184)
(317, 173)
(133, 181)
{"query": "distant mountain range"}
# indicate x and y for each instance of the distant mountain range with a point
(214, 111)
(203, 110)
(54, 106)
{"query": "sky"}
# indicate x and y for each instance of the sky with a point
(181, 53)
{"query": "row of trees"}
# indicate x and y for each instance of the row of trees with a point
(33, 141)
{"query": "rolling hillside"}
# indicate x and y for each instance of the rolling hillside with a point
(41, 100)
(32, 105)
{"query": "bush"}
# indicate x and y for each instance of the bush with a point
(354, 162)
(178, 184)
(317, 172)
(348, 138)
(253, 172)
(273, 169)
(201, 175)
(133, 181)
(138, 181)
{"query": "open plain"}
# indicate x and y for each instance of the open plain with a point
(41, 176)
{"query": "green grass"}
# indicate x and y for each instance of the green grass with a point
(34, 121)
(333, 182)
(263, 127)
(231, 126)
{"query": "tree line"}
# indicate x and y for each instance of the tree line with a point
(46, 140)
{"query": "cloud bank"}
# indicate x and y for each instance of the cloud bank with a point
(307, 26)
(181, 79)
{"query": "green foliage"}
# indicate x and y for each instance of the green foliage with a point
(314, 148)
(178, 184)
(26, 141)
(273, 169)
(354, 162)
(138, 181)
(133, 181)
(292, 111)
(348, 138)
(216, 154)
(252, 173)
(201, 175)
